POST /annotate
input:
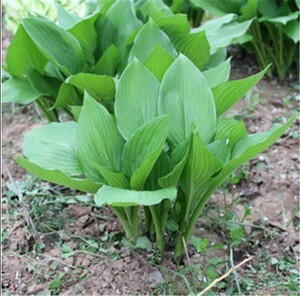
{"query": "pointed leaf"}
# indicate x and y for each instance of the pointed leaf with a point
(281, 19)
(98, 139)
(53, 147)
(186, 96)
(231, 130)
(57, 45)
(65, 19)
(124, 198)
(67, 96)
(137, 93)
(228, 93)
(100, 87)
(119, 23)
(147, 39)
(18, 91)
(158, 62)
(43, 84)
(174, 25)
(57, 177)
(23, 54)
(109, 61)
(218, 75)
(143, 149)
(195, 46)
(85, 32)
(178, 161)
(221, 150)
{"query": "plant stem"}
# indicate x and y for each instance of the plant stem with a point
(120, 213)
(50, 115)
(158, 229)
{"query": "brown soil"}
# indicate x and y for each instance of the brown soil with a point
(272, 177)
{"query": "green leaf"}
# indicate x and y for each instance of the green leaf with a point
(85, 32)
(186, 96)
(100, 87)
(65, 19)
(174, 25)
(18, 91)
(218, 75)
(249, 10)
(22, 55)
(43, 84)
(228, 93)
(195, 46)
(147, 39)
(109, 61)
(57, 45)
(98, 139)
(158, 62)
(76, 112)
(112, 30)
(221, 150)
(251, 145)
(217, 7)
(281, 19)
(67, 96)
(137, 93)
(57, 177)
(143, 149)
(200, 167)
(231, 129)
(178, 161)
(292, 30)
(124, 198)
(53, 147)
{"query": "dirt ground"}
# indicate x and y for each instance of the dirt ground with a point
(33, 258)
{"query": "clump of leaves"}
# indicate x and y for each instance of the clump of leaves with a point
(53, 64)
(166, 148)
(274, 32)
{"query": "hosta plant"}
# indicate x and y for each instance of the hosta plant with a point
(158, 159)
(52, 64)
(274, 33)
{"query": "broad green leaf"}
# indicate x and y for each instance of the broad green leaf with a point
(53, 148)
(271, 9)
(118, 24)
(85, 32)
(124, 198)
(98, 139)
(249, 10)
(226, 34)
(228, 93)
(218, 75)
(217, 58)
(108, 63)
(57, 45)
(221, 150)
(155, 9)
(57, 177)
(18, 91)
(195, 46)
(147, 39)
(22, 55)
(216, 24)
(100, 87)
(67, 96)
(174, 25)
(136, 94)
(65, 19)
(158, 62)
(231, 130)
(143, 149)
(292, 30)
(186, 96)
(43, 84)
(178, 161)
(201, 165)
(76, 112)
(112, 178)
(281, 19)
(251, 145)
(218, 8)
